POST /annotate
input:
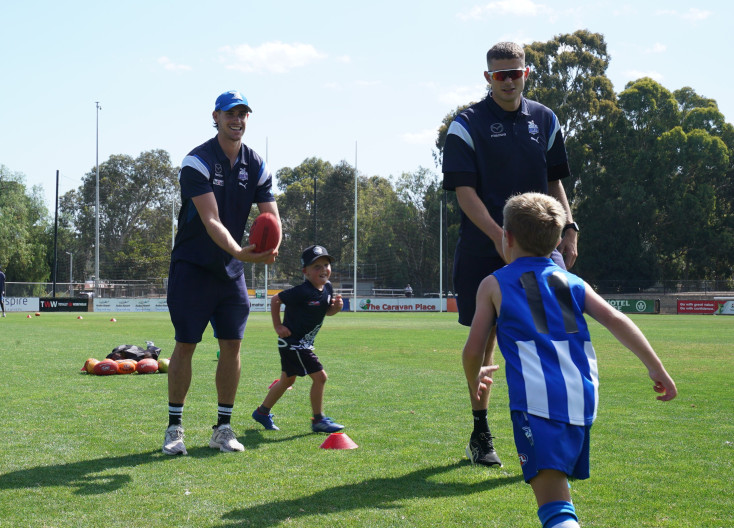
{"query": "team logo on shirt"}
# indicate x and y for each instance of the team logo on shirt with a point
(314, 303)
(218, 170)
(218, 183)
(523, 458)
(242, 178)
(533, 128)
(497, 130)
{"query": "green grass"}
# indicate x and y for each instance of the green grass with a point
(84, 451)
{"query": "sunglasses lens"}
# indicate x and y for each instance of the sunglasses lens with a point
(501, 75)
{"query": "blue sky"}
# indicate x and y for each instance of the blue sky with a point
(329, 79)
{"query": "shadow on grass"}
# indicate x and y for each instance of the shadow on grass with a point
(86, 475)
(254, 438)
(380, 493)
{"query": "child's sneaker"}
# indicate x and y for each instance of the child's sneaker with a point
(325, 425)
(266, 420)
(224, 439)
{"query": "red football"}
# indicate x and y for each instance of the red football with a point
(265, 232)
(126, 366)
(106, 367)
(147, 366)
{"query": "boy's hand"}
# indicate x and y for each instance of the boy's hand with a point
(483, 381)
(337, 301)
(282, 331)
(664, 385)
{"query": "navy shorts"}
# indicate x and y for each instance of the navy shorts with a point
(298, 361)
(548, 444)
(197, 297)
(469, 272)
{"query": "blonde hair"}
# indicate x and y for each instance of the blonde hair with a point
(536, 221)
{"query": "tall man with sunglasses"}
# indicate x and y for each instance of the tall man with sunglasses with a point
(499, 147)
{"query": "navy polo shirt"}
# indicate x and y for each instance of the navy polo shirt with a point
(305, 309)
(501, 154)
(207, 169)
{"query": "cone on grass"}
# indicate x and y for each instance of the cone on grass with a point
(338, 441)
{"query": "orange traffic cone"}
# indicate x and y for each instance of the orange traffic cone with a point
(338, 441)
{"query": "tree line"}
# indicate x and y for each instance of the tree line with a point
(651, 187)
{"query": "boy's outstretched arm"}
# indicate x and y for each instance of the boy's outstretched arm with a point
(479, 378)
(632, 337)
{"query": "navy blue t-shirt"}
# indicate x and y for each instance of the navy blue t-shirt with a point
(501, 154)
(207, 169)
(305, 309)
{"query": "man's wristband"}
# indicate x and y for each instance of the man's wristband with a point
(572, 225)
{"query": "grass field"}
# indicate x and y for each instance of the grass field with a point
(84, 451)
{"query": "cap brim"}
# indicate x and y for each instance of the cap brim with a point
(231, 106)
(317, 257)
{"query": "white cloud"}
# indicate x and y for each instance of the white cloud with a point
(692, 15)
(346, 59)
(504, 7)
(656, 48)
(168, 65)
(424, 137)
(272, 57)
(633, 75)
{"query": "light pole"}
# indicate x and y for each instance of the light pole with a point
(71, 274)
(96, 223)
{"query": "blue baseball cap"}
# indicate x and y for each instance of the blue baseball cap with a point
(229, 100)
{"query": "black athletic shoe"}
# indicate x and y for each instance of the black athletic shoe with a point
(481, 450)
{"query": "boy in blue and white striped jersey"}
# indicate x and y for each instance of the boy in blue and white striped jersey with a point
(551, 365)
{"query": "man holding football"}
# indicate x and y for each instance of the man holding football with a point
(220, 180)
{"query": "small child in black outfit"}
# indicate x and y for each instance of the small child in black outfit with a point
(305, 308)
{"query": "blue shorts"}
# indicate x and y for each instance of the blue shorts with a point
(548, 444)
(469, 272)
(196, 297)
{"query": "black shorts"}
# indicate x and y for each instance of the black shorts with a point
(299, 361)
(469, 272)
(196, 297)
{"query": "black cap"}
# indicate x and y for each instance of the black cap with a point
(311, 253)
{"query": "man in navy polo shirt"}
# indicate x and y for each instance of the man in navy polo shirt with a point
(220, 180)
(499, 147)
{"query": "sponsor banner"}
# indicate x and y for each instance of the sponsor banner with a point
(130, 305)
(698, 306)
(21, 304)
(63, 304)
(400, 305)
(257, 304)
(634, 305)
(725, 308)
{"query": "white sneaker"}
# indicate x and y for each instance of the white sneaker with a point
(224, 439)
(173, 443)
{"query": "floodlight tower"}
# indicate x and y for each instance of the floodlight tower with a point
(96, 209)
